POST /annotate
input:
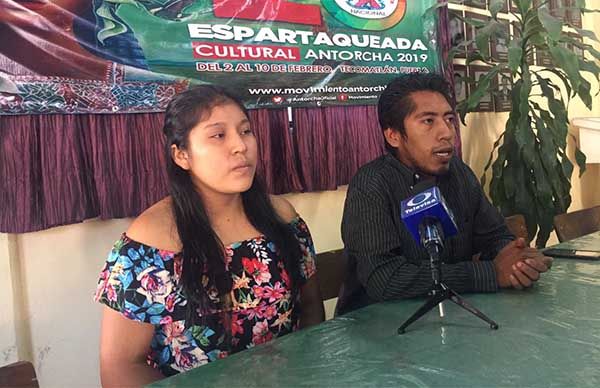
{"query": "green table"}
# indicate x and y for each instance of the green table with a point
(548, 336)
(589, 242)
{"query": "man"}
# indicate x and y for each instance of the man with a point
(418, 124)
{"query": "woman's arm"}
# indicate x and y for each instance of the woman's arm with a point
(124, 345)
(311, 303)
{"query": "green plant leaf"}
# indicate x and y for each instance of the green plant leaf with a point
(556, 106)
(474, 56)
(489, 162)
(482, 38)
(590, 67)
(547, 153)
(580, 3)
(565, 181)
(584, 92)
(482, 88)
(543, 200)
(542, 185)
(586, 33)
(452, 53)
(567, 167)
(523, 6)
(509, 178)
(550, 23)
(580, 158)
(557, 129)
(567, 60)
(496, 193)
(595, 53)
(537, 40)
(522, 131)
(524, 199)
(515, 54)
(477, 23)
(557, 125)
(492, 29)
(495, 7)
(564, 79)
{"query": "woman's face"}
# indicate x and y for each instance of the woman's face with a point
(221, 154)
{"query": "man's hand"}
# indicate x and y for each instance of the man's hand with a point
(527, 271)
(519, 266)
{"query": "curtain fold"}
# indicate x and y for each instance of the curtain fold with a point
(63, 171)
(277, 161)
(333, 142)
(127, 161)
(316, 149)
(358, 138)
(20, 191)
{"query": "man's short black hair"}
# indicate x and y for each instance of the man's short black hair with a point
(395, 102)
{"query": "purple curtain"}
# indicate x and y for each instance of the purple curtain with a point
(277, 163)
(62, 169)
(126, 156)
(334, 142)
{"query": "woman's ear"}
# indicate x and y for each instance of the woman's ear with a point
(393, 137)
(180, 157)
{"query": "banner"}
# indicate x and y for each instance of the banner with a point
(114, 56)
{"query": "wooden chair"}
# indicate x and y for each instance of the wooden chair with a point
(575, 224)
(331, 270)
(20, 374)
(517, 226)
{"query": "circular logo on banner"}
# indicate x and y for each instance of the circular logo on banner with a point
(373, 15)
(419, 199)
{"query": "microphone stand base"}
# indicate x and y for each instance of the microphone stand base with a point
(441, 293)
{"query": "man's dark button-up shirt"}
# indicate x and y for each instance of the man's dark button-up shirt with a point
(385, 262)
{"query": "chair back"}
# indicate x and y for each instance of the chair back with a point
(20, 374)
(517, 226)
(331, 270)
(578, 223)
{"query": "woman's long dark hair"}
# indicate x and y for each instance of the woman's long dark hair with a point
(202, 250)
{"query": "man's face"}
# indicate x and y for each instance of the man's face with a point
(430, 136)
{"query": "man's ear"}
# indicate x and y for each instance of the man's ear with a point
(180, 157)
(393, 137)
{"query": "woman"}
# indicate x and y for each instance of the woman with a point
(216, 267)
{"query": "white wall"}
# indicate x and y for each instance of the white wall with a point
(61, 267)
(8, 335)
(322, 212)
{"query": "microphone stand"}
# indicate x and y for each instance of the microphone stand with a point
(440, 291)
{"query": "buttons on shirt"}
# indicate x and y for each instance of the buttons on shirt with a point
(416, 179)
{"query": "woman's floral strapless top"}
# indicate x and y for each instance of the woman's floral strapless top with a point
(142, 283)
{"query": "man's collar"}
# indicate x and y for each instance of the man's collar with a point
(409, 174)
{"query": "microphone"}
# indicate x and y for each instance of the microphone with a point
(430, 221)
(427, 216)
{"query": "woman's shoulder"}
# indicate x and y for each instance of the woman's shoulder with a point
(156, 227)
(283, 208)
